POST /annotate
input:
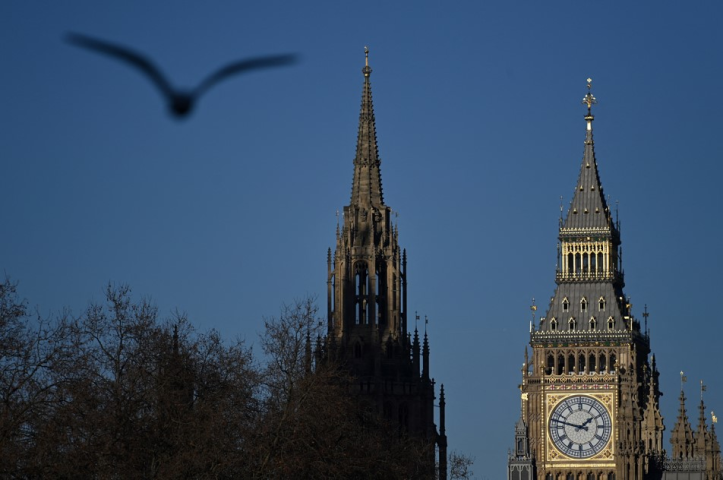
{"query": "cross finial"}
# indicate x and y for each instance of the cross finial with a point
(589, 99)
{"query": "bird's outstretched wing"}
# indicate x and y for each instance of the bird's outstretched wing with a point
(127, 55)
(242, 66)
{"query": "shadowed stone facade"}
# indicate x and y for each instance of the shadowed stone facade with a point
(367, 302)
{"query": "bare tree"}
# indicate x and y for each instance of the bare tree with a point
(137, 397)
(118, 393)
(29, 350)
(460, 466)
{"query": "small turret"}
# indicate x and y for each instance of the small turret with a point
(442, 437)
(425, 358)
(415, 353)
(702, 436)
(681, 437)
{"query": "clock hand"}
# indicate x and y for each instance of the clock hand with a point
(577, 427)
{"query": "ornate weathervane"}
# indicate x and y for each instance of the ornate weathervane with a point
(589, 99)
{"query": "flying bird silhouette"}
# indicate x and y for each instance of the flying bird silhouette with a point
(180, 102)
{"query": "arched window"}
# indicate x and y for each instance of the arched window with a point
(550, 363)
(571, 324)
(381, 293)
(553, 324)
(570, 263)
(593, 323)
(560, 364)
(581, 363)
(583, 304)
(361, 280)
(570, 363)
(565, 304)
(578, 264)
(603, 363)
(611, 323)
(601, 303)
(591, 363)
(613, 365)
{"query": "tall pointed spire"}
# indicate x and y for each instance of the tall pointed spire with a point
(367, 300)
(588, 208)
(701, 434)
(367, 183)
(681, 438)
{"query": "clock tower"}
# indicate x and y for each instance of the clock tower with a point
(589, 391)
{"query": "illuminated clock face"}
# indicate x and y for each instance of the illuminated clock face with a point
(580, 426)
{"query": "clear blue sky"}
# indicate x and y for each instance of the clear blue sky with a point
(229, 214)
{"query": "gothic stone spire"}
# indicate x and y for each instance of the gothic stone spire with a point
(367, 300)
(367, 184)
(681, 438)
(588, 208)
(590, 293)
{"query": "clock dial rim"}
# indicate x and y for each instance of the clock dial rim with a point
(568, 420)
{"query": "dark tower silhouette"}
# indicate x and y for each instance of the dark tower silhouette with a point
(589, 393)
(367, 301)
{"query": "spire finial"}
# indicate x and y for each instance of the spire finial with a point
(589, 100)
(646, 315)
(702, 389)
(366, 70)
